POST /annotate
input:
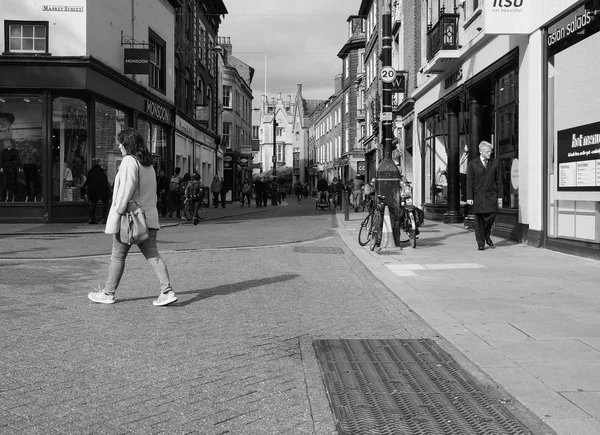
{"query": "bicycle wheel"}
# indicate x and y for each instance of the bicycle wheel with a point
(202, 210)
(412, 229)
(366, 227)
(188, 209)
(377, 226)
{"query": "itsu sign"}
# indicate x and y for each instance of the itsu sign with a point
(506, 17)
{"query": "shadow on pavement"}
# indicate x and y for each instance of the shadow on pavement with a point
(222, 290)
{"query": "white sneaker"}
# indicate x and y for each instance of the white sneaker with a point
(165, 299)
(102, 298)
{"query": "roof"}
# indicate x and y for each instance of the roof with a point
(310, 106)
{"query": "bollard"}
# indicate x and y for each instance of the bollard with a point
(345, 206)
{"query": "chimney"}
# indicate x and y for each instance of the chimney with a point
(337, 86)
(299, 88)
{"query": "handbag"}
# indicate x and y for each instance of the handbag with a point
(134, 228)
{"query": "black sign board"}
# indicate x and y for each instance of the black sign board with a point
(578, 158)
(399, 83)
(137, 61)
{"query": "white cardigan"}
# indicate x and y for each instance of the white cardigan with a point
(125, 189)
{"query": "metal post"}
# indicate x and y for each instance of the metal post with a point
(274, 187)
(388, 175)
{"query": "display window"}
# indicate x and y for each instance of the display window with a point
(573, 124)
(156, 138)
(109, 121)
(69, 148)
(21, 121)
(436, 160)
(507, 136)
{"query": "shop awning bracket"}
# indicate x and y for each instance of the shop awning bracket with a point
(128, 40)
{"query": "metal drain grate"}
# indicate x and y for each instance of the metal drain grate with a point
(390, 252)
(318, 250)
(409, 387)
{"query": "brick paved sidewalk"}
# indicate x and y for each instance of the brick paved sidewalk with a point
(526, 316)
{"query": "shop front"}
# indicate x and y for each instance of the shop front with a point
(572, 131)
(479, 101)
(55, 116)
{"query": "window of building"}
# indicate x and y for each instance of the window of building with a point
(227, 97)
(255, 132)
(21, 148)
(190, 22)
(280, 153)
(157, 77)
(225, 140)
(200, 92)
(280, 131)
(347, 101)
(26, 36)
(187, 92)
(436, 160)
(347, 67)
(109, 121)
(347, 144)
(69, 148)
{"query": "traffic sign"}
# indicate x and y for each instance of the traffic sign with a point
(388, 74)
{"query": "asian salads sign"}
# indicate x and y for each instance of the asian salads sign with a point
(572, 28)
(578, 158)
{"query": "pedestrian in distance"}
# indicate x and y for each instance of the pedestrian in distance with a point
(215, 188)
(97, 188)
(246, 192)
(298, 191)
(258, 192)
(162, 191)
(182, 185)
(174, 203)
(135, 181)
(357, 193)
(194, 191)
(484, 192)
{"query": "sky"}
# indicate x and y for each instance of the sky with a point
(301, 39)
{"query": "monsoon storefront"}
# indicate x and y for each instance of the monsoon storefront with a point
(572, 130)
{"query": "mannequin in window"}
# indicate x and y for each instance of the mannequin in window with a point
(31, 165)
(10, 160)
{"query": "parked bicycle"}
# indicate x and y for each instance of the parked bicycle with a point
(371, 229)
(410, 216)
(366, 227)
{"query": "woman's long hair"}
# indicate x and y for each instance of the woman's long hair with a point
(134, 144)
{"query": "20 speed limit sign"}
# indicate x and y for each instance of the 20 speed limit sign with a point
(388, 74)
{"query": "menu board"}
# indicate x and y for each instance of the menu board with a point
(578, 158)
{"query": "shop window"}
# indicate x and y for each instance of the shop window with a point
(21, 119)
(69, 148)
(157, 76)
(156, 141)
(26, 36)
(109, 121)
(436, 160)
(507, 136)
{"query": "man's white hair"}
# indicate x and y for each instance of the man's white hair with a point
(485, 144)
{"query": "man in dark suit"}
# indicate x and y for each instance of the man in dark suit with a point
(484, 192)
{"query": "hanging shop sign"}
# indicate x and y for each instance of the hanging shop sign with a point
(361, 168)
(578, 158)
(158, 111)
(399, 83)
(136, 61)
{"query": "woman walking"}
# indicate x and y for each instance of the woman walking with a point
(135, 181)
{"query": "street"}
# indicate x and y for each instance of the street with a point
(235, 354)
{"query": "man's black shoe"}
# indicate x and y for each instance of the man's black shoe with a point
(488, 240)
(481, 248)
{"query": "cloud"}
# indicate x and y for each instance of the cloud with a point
(301, 40)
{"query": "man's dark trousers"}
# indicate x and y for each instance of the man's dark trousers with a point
(216, 199)
(483, 226)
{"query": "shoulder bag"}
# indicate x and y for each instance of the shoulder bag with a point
(134, 228)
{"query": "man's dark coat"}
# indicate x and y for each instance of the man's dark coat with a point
(484, 185)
